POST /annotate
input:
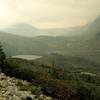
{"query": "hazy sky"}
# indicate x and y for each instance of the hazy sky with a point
(48, 13)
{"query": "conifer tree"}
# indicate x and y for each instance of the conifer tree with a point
(2, 57)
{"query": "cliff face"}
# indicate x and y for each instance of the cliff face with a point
(10, 90)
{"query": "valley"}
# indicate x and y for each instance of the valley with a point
(64, 67)
(49, 49)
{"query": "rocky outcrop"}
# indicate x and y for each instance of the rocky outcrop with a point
(9, 90)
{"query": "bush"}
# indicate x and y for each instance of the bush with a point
(35, 90)
(56, 89)
(88, 91)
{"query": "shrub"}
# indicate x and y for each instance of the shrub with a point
(56, 89)
(35, 90)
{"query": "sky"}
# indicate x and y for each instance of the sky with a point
(48, 13)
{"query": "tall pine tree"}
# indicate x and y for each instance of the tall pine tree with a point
(2, 57)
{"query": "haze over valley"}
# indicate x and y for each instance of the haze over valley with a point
(49, 50)
(82, 41)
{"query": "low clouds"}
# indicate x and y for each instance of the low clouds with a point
(49, 13)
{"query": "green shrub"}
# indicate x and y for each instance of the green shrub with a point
(35, 90)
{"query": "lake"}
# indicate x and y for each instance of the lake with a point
(27, 57)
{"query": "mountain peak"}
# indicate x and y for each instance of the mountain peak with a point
(23, 29)
(24, 25)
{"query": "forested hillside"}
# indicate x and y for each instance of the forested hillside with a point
(85, 44)
(68, 69)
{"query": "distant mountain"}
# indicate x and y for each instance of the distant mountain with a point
(23, 29)
(93, 27)
(63, 31)
(17, 45)
(86, 45)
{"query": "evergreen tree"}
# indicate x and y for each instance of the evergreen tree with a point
(2, 57)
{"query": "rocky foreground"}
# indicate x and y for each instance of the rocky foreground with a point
(9, 90)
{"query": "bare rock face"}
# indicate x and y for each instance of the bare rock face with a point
(9, 90)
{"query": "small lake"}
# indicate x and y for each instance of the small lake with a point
(27, 57)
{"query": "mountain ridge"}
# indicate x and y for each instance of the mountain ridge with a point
(24, 29)
(86, 45)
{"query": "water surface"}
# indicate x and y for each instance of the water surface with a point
(27, 57)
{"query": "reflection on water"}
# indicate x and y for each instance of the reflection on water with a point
(27, 57)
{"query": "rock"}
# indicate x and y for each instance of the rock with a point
(1, 98)
(25, 94)
(3, 83)
(41, 96)
(48, 98)
(9, 90)
(16, 97)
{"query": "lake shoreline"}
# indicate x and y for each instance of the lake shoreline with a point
(27, 57)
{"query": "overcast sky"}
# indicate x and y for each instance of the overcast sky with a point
(48, 13)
